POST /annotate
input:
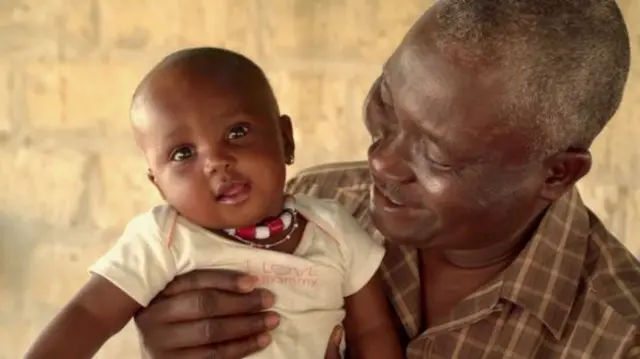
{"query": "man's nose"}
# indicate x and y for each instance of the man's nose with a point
(388, 164)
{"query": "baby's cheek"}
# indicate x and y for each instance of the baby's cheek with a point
(191, 200)
(184, 187)
(266, 166)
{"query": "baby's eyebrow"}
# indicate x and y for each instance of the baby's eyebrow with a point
(173, 132)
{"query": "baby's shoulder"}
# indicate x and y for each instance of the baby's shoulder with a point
(331, 216)
(327, 212)
(156, 220)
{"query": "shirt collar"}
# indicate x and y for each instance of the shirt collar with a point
(545, 277)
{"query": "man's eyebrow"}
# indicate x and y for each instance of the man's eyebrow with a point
(437, 140)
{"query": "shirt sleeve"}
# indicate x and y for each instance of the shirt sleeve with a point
(141, 262)
(363, 254)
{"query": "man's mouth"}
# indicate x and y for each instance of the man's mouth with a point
(233, 192)
(388, 196)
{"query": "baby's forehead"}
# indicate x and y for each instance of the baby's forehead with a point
(203, 87)
(197, 84)
(177, 104)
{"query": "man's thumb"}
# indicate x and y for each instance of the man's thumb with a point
(336, 336)
(333, 349)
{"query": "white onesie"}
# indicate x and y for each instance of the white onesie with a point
(335, 259)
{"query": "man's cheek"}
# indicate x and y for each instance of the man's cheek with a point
(496, 192)
(432, 183)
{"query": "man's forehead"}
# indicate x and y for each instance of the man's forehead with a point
(419, 81)
(448, 91)
(420, 67)
(450, 103)
(418, 54)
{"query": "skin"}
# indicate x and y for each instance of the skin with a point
(189, 156)
(197, 135)
(450, 180)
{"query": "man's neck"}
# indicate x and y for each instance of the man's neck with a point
(447, 277)
(502, 251)
(444, 284)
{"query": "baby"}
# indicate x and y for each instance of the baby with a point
(217, 147)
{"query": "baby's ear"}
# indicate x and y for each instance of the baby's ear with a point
(287, 139)
(152, 178)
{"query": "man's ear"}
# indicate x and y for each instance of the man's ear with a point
(152, 178)
(288, 141)
(564, 169)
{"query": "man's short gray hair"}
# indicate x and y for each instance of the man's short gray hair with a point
(567, 61)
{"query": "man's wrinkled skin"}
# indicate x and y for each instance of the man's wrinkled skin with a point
(440, 149)
(446, 172)
(448, 179)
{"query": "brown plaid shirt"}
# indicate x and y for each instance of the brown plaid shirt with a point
(573, 292)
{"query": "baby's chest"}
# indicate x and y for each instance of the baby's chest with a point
(301, 283)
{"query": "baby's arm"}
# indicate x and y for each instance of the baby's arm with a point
(126, 278)
(97, 312)
(370, 331)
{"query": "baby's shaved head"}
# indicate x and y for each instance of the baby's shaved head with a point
(215, 142)
(205, 67)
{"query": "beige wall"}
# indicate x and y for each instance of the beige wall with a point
(70, 177)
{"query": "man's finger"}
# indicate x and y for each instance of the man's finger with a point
(232, 350)
(333, 348)
(205, 304)
(205, 332)
(227, 280)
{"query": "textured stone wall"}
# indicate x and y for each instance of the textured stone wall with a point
(70, 177)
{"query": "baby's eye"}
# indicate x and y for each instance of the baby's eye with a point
(238, 131)
(181, 154)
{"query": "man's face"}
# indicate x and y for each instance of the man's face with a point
(446, 172)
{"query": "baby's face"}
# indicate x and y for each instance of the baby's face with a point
(215, 156)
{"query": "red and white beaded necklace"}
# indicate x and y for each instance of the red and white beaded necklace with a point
(286, 221)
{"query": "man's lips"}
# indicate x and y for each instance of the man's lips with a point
(393, 200)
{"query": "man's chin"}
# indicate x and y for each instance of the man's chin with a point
(404, 231)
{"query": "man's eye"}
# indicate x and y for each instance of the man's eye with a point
(182, 154)
(421, 152)
(238, 131)
(438, 165)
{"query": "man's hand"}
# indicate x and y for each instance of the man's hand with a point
(333, 348)
(208, 314)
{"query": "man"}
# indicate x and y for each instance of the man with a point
(481, 124)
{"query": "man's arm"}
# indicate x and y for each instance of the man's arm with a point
(96, 313)
(370, 331)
